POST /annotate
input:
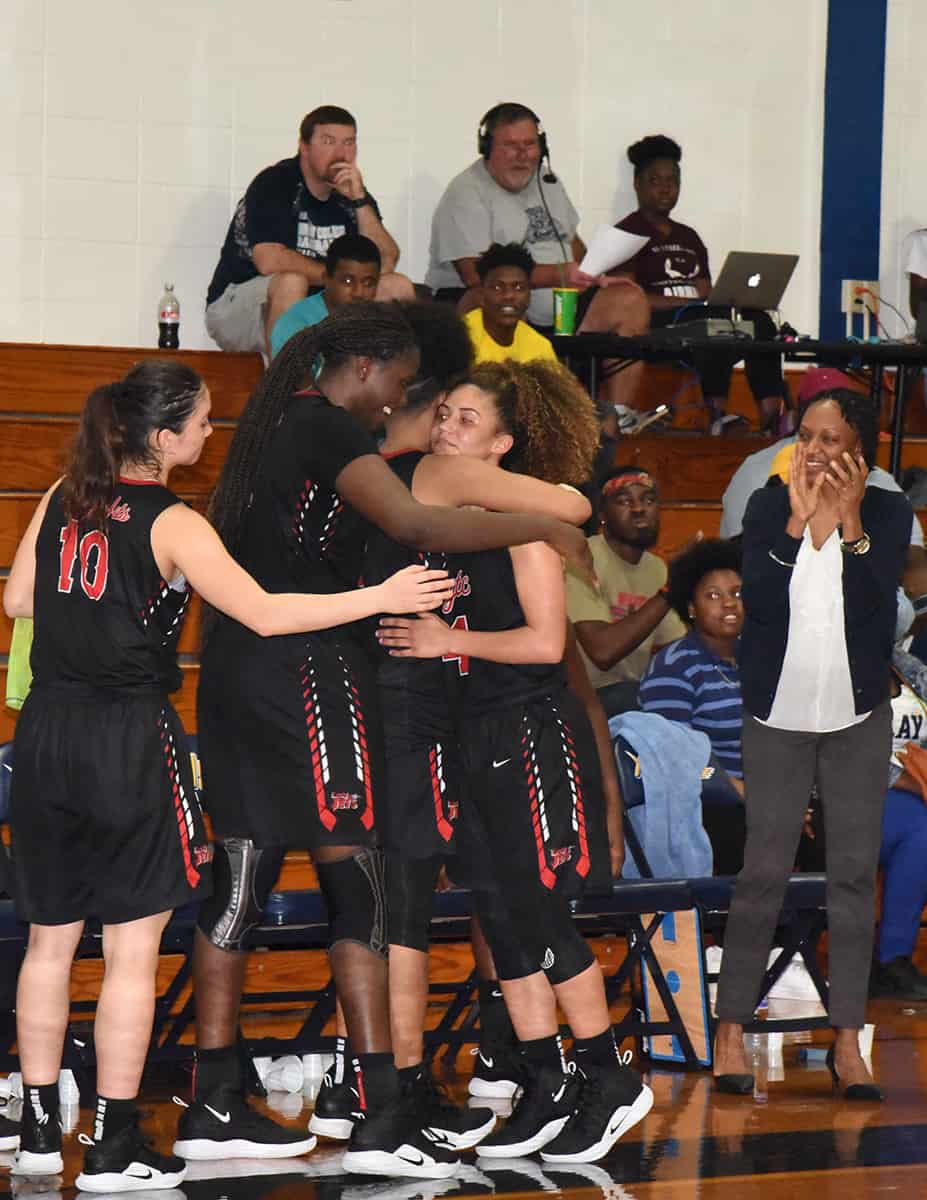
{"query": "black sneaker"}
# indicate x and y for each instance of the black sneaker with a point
(393, 1142)
(461, 1128)
(225, 1126)
(39, 1144)
(611, 1102)
(496, 1072)
(543, 1108)
(335, 1106)
(898, 978)
(9, 1134)
(126, 1162)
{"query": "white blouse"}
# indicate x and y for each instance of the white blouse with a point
(815, 690)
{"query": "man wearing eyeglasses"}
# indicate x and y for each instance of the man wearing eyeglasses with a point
(497, 329)
(621, 622)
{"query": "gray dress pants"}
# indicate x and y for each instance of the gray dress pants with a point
(850, 767)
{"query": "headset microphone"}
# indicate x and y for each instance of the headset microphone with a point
(549, 177)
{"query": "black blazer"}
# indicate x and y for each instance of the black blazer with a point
(869, 595)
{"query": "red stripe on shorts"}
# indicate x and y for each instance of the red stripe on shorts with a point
(546, 875)
(326, 816)
(167, 746)
(443, 826)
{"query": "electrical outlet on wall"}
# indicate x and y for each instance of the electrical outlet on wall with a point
(856, 295)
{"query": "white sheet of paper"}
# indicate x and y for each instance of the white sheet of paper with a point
(609, 248)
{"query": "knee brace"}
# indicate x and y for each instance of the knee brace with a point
(410, 890)
(243, 875)
(355, 893)
(514, 958)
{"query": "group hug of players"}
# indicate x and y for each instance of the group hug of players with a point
(392, 748)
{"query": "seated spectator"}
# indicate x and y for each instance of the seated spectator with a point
(628, 616)
(506, 196)
(672, 268)
(290, 214)
(496, 328)
(696, 681)
(754, 471)
(351, 272)
(916, 269)
(903, 852)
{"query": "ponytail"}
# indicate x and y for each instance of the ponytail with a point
(96, 455)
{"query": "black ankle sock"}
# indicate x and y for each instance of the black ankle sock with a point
(546, 1052)
(40, 1100)
(341, 1067)
(216, 1067)
(495, 1023)
(600, 1049)
(112, 1116)
(409, 1074)
(377, 1080)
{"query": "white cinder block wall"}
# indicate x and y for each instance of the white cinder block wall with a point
(131, 128)
(904, 161)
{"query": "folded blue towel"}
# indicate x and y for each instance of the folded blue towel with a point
(672, 758)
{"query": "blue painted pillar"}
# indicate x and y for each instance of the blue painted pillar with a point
(852, 167)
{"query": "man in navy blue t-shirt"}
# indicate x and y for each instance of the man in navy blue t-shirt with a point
(274, 251)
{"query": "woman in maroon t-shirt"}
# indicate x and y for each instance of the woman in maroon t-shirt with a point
(672, 268)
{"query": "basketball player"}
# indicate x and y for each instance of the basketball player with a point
(533, 808)
(104, 817)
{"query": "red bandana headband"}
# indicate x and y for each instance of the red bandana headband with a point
(623, 481)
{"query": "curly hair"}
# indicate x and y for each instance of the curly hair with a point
(445, 348)
(688, 570)
(860, 413)
(641, 154)
(549, 414)
(367, 329)
(510, 255)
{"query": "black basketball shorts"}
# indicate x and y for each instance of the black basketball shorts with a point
(291, 741)
(532, 814)
(104, 818)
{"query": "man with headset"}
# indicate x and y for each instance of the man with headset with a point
(508, 195)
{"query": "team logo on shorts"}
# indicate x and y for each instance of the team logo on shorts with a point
(201, 855)
(561, 856)
(345, 802)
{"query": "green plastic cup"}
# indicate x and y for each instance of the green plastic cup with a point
(565, 310)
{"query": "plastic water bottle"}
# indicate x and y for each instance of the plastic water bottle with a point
(169, 320)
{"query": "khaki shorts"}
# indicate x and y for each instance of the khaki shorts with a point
(236, 320)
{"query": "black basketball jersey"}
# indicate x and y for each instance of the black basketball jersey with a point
(486, 599)
(103, 614)
(426, 700)
(298, 535)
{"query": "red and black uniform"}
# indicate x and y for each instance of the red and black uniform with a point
(419, 725)
(532, 829)
(104, 816)
(289, 726)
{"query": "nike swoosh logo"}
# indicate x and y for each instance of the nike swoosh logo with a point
(558, 1094)
(501, 763)
(223, 1117)
(487, 1062)
(417, 1161)
(147, 1173)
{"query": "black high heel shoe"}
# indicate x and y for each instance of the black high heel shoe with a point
(869, 1093)
(734, 1085)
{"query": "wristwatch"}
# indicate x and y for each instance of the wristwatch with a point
(365, 199)
(859, 546)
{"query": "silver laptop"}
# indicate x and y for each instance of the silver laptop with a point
(752, 280)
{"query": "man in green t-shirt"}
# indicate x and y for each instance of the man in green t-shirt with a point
(621, 623)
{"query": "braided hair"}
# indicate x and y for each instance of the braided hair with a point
(368, 329)
(549, 414)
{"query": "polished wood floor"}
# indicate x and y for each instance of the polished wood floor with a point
(793, 1138)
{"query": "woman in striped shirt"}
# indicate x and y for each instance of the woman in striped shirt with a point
(696, 681)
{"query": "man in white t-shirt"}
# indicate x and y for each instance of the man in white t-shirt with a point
(508, 196)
